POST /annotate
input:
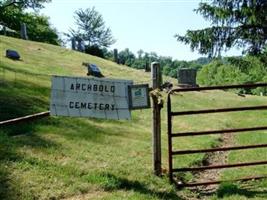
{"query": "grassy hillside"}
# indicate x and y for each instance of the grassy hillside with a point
(76, 158)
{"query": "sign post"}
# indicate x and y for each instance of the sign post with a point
(156, 120)
(109, 99)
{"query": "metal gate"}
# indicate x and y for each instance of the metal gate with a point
(172, 135)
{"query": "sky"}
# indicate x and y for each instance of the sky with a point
(149, 25)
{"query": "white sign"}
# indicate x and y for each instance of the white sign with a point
(139, 96)
(90, 97)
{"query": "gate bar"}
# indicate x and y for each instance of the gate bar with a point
(171, 135)
(218, 182)
(219, 87)
(194, 112)
(219, 166)
(218, 131)
(180, 152)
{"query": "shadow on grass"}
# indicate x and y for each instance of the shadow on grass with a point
(9, 157)
(7, 154)
(110, 182)
(20, 99)
(5, 190)
(228, 189)
(78, 129)
(19, 129)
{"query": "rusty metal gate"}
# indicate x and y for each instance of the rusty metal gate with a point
(172, 135)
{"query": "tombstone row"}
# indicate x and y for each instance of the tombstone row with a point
(23, 31)
(77, 44)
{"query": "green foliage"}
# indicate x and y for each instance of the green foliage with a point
(169, 66)
(235, 70)
(234, 23)
(126, 57)
(38, 26)
(95, 51)
(91, 28)
(22, 4)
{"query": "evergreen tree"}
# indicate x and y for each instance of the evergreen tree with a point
(22, 4)
(241, 23)
(91, 28)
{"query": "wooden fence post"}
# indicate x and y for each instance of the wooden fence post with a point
(156, 120)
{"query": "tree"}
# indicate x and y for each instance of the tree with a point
(140, 53)
(126, 57)
(241, 23)
(22, 4)
(38, 26)
(91, 28)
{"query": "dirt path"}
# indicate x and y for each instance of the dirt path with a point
(216, 158)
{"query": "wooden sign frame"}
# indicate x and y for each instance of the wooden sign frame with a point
(145, 100)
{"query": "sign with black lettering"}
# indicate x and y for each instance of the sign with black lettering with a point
(139, 96)
(90, 97)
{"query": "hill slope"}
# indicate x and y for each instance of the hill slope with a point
(73, 158)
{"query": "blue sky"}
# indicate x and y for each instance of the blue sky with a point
(137, 24)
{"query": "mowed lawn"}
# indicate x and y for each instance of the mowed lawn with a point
(79, 158)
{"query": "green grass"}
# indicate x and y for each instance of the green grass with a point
(77, 158)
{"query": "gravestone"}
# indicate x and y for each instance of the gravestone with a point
(93, 70)
(73, 44)
(23, 31)
(4, 30)
(12, 54)
(147, 68)
(187, 77)
(115, 55)
(81, 46)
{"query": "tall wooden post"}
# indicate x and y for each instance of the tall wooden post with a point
(156, 127)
